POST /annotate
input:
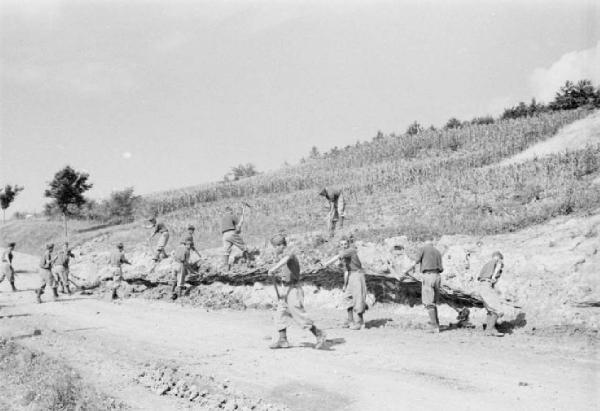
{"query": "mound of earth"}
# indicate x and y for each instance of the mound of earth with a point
(550, 273)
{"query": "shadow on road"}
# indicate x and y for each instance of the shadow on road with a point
(14, 315)
(380, 322)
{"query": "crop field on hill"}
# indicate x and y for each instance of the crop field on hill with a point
(438, 182)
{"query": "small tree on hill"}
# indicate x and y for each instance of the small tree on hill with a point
(66, 190)
(122, 204)
(571, 96)
(314, 152)
(7, 196)
(453, 123)
(241, 171)
(414, 128)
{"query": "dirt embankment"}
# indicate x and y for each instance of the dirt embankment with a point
(550, 272)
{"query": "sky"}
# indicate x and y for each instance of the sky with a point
(166, 94)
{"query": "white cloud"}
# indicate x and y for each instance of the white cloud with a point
(126, 155)
(574, 66)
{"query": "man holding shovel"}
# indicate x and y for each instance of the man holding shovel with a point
(430, 261)
(181, 257)
(61, 268)
(231, 228)
(116, 260)
(290, 302)
(163, 239)
(335, 198)
(6, 268)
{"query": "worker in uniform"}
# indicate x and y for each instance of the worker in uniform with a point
(181, 257)
(231, 228)
(355, 286)
(337, 206)
(486, 283)
(429, 259)
(60, 268)
(116, 260)
(46, 277)
(6, 268)
(163, 239)
(189, 236)
(290, 299)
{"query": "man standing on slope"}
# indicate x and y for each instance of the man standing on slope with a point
(163, 232)
(61, 268)
(290, 302)
(355, 285)
(189, 237)
(6, 268)
(181, 257)
(335, 198)
(46, 277)
(487, 279)
(231, 227)
(430, 260)
(116, 260)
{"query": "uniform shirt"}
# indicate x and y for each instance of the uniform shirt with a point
(63, 258)
(488, 270)
(290, 272)
(160, 228)
(182, 254)
(46, 260)
(228, 223)
(333, 194)
(350, 259)
(189, 237)
(7, 256)
(430, 259)
(117, 258)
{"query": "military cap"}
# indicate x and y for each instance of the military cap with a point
(499, 254)
(278, 239)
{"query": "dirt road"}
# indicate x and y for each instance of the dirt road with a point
(386, 367)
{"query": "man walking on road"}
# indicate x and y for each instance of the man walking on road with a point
(231, 228)
(46, 277)
(290, 302)
(335, 198)
(355, 285)
(116, 260)
(181, 257)
(430, 261)
(61, 268)
(486, 281)
(6, 268)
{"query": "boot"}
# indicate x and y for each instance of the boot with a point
(12, 286)
(38, 295)
(490, 329)
(226, 262)
(180, 291)
(359, 324)
(350, 321)
(320, 336)
(341, 222)
(55, 293)
(433, 319)
(62, 289)
(282, 342)
(68, 289)
(114, 295)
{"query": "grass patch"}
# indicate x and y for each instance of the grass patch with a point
(34, 381)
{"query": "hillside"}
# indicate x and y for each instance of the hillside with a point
(438, 182)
